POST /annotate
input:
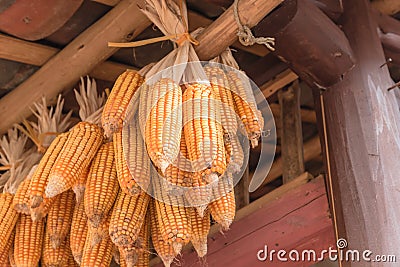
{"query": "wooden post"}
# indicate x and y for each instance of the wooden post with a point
(363, 127)
(242, 194)
(292, 136)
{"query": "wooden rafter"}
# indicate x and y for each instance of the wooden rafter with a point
(307, 115)
(196, 20)
(280, 81)
(37, 54)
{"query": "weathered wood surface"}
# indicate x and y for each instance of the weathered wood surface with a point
(297, 218)
(242, 194)
(364, 142)
(389, 7)
(291, 132)
(312, 45)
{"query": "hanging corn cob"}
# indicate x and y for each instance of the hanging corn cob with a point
(28, 241)
(132, 160)
(164, 250)
(60, 217)
(40, 177)
(223, 208)
(199, 193)
(83, 141)
(203, 132)
(200, 229)
(19, 162)
(164, 123)
(118, 101)
(80, 185)
(55, 257)
(100, 232)
(127, 218)
(43, 209)
(245, 103)
(101, 186)
(79, 229)
(21, 198)
(5, 252)
(179, 174)
(172, 216)
(132, 252)
(99, 255)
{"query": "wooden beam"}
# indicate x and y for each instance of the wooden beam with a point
(251, 12)
(312, 149)
(196, 20)
(278, 82)
(361, 116)
(291, 132)
(389, 7)
(318, 52)
(37, 54)
(123, 23)
(270, 221)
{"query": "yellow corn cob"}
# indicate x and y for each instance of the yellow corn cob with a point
(118, 101)
(203, 132)
(220, 85)
(143, 259)
(79, 229)
(8, 216)
(28, 241)
(132, 252)
(5, 251)
(164, 250)
(199, 193)
(223, 208)
(179, 173)
(173, 217)
(234, 152)
(101, 186)
(40, 212)
(127, 218)
(60, 217)
(99, 232)
(55, 257)
(21, 198)
(246, 107)
(144, 106)
(71, 261)
(40, 177)
(164, 123)
(132, 160)
(99, 255)
(81, 146)
(11, 253)
(200, 229)
(80, 185)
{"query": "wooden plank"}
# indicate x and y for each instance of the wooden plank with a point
(38, 54)
(363, 126)
(291, 132)
(122, 23)
(297, 219)
(389, 7)
(277, 83)
(251, 12)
